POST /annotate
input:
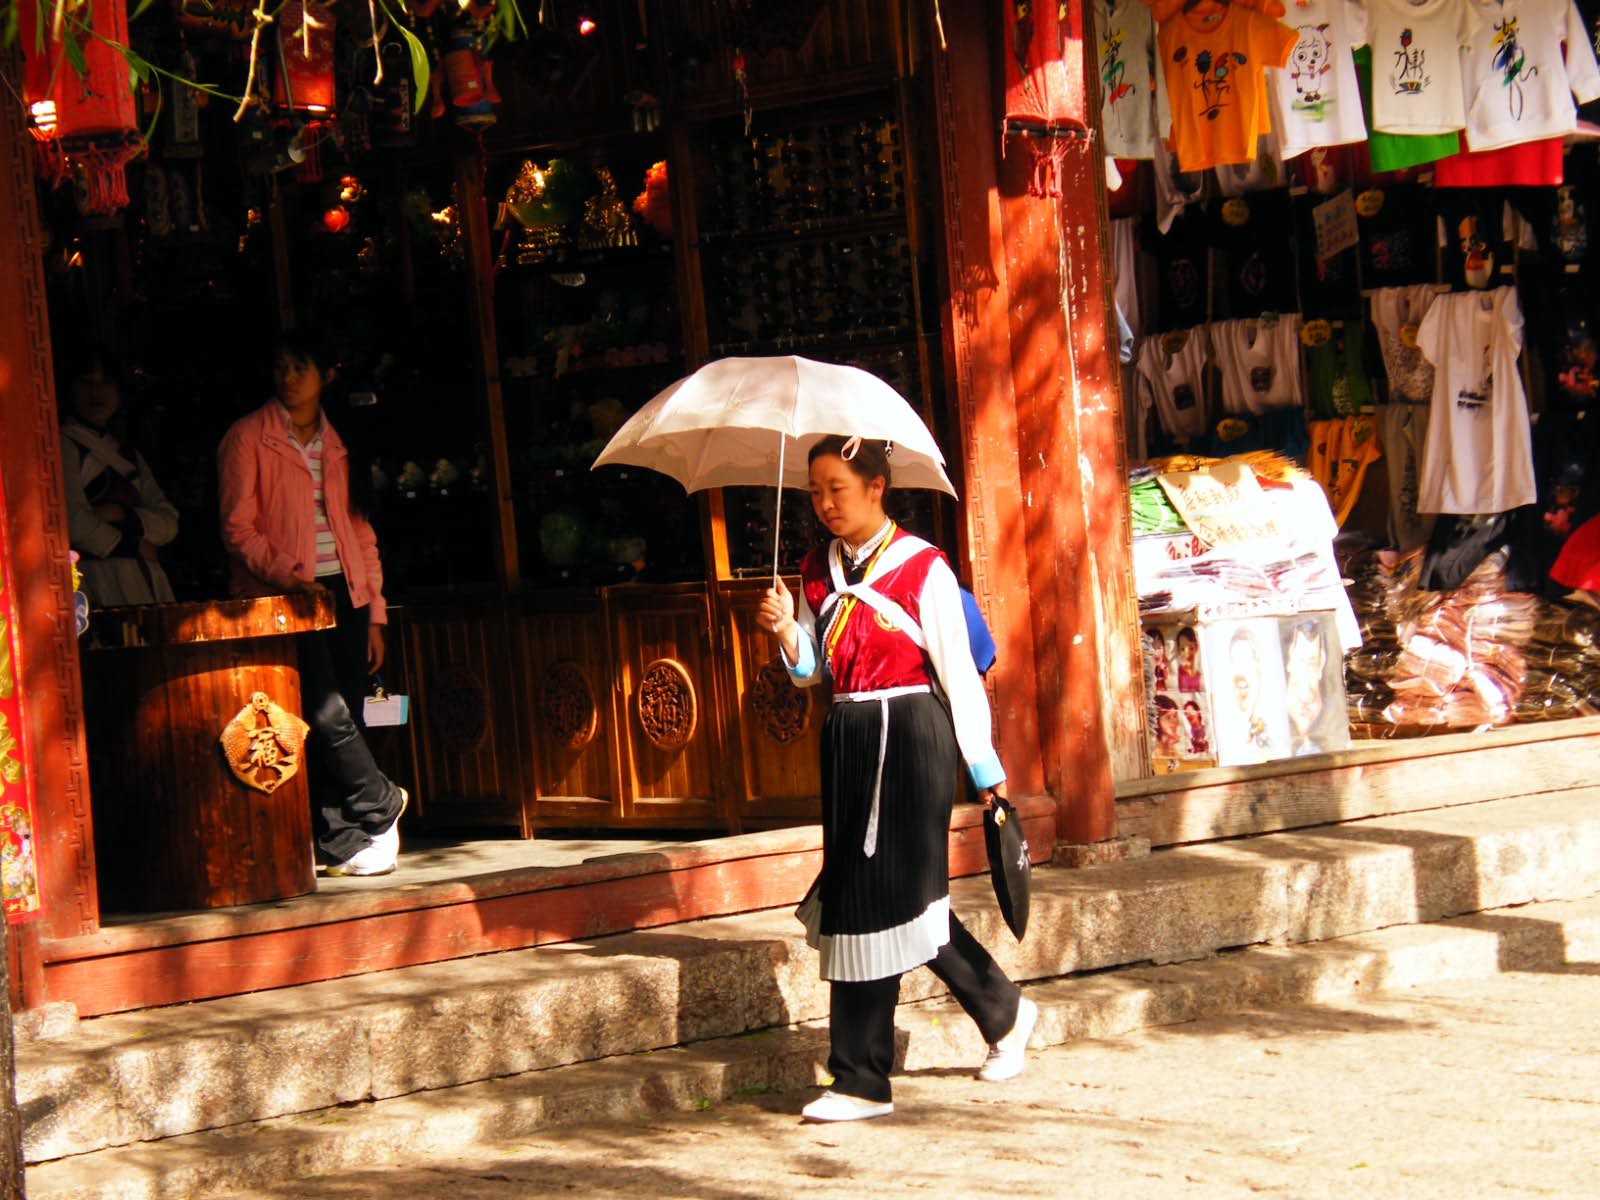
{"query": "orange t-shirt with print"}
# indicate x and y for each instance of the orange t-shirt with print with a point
(1214, 69)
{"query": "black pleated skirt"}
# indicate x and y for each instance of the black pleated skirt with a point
(885, 913)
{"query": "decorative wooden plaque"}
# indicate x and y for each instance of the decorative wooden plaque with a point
(783, 709)
(567, 702)
(668, 708)
(264, 744)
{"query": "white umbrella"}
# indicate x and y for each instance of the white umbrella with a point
(751, 422)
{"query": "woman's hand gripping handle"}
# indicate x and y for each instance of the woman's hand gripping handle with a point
(776, 616)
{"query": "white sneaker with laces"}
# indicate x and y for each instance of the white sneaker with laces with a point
(1006, 1056)
(380, 857)
(836, 1106)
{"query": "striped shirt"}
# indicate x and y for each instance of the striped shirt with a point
(327, 551)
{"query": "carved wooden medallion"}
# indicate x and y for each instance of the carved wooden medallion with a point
(460, 708)
(264, 744)
(668, 710)
(783, 709)
(567, 702)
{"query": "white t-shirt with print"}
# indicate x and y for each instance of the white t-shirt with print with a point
(1397, 314)
(1316, 100)
(1259, 361)
(1174, 382)
(1416, 63)
(1479, 452)
(1519, 82)
(1127, 86)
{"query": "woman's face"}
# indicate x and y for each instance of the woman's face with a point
(851, 507)
(95, 398)
(298, 380)
(1169, 727)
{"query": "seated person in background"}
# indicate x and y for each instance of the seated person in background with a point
(116, 513)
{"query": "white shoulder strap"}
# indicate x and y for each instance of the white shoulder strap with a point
(886, 607)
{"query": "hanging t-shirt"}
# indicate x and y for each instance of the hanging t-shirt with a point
(1470, 231)
(1213, 65)
(1125, 271)
(1520, 83)
(1397, 151)
(1262, 173)
(1399, 234)
(1336, 372)
(1259, 362)
(1175, 189)
(1416, 63)
(1316, 100)
(1253, 234)
(1341, 451)
(1479, 453)
(1397, 316)
(1329, 287)
(1172, 375)
(1531, 164)
(1402, 433)
(1183, 278)
(1127, 88)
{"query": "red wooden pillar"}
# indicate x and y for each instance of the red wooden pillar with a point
(1035, 387)
(30, 460)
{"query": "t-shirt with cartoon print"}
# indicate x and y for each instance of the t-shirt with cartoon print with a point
(1213, 66)
(1416, 63)
(1127, 87)
(1172, 375)
(1520, 81)
(1316, 100)
(1259, 361)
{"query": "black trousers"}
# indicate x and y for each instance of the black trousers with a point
(351, 799)
(861, 1015)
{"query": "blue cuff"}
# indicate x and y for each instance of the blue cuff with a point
(806, 659)
(986, 773)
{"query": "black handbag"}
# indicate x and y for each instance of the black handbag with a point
(1009, 868)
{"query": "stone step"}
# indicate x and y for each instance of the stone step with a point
(438, 1126)
(164, 1073)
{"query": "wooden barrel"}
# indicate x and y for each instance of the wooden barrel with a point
(177, 825)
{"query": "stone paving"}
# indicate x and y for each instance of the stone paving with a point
(1473, 1088)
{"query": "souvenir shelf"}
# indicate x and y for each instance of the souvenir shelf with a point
(588, 328)
(805, 247)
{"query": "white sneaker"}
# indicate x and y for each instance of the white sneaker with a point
(380, 857)
(836, 1106)
(1006, 1056)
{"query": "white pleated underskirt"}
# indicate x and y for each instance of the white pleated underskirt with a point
(861, 957)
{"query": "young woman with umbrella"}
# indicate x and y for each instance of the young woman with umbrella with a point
(880, 616)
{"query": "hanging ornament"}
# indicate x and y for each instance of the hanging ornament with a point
(1044, 99)
(468, 73)
(304, 82)
(85, 123)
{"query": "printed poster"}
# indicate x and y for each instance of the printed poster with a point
(19, 864)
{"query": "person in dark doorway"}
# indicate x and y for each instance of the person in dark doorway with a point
(117, 515)
(880, 616)
(290, 526)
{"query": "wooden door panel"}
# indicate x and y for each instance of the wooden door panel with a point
(776, 728)
(465, 707)
(568, 742)
(665, 705)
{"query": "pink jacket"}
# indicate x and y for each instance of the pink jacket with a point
(269, 512)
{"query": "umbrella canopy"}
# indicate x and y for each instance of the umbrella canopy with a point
(719, 426)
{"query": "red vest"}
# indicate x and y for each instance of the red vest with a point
(862, 649)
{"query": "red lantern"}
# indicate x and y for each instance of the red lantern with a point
(84, 124)
(305, 58)
(1045, 103)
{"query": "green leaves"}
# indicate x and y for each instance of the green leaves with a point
(421, 72)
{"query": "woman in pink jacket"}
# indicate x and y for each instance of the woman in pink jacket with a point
(289, 526)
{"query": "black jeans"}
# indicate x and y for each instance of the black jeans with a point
(351, 799)
(861, 1015)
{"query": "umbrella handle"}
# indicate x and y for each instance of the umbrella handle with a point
(777, 510)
